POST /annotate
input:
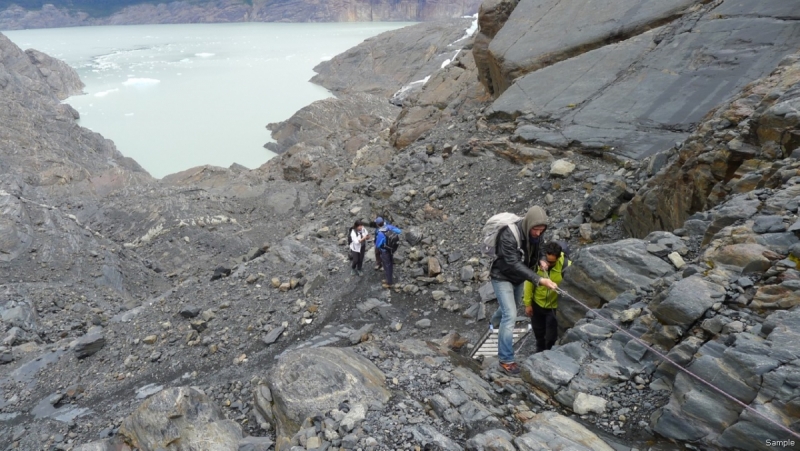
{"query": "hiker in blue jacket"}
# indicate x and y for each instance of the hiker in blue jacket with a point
(386, 254)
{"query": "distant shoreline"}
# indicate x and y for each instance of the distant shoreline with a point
(234, 11)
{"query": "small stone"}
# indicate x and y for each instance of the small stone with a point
(190, 311)
(734, 327)
(423, 323)
(677, 260)
(586, 231)
(585, 403)
(561, 168)
(150, 339)
(745, 282)
(313, 443)
(629, 315)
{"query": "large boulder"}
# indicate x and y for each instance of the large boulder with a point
(305, 382)
(605, 199)
(181, 419)
(686, 301)
(88, 344)
(549, 370)
(550, 430)
(746, 257)
(600, 273)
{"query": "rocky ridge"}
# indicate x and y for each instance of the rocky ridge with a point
(136, 307)
(224, 11)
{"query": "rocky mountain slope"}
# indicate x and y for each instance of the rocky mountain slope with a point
(213, 309)
(15, 17)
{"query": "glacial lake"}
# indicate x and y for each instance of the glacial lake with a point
(177, 96)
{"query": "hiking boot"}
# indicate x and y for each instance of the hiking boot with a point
(512, 369)
(378, 268)
(360, 273)
(352, 272)
(386, 285)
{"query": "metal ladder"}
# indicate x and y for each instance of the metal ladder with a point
(487, 345)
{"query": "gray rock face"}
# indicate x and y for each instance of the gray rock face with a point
(532, 134)
(769, 224)
(600, 273)
(308, 381)
(549, 370)
(63, 79)
(223, 11)
(687, 300)
(605, 199)
(183, 415)
(541, 33)
(549, 430)
(656, 81)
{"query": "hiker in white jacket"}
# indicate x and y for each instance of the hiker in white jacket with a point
(358, 234)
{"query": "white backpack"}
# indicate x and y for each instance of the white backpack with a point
(492, 228)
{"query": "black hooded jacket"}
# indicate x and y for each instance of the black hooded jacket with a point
(514, 266)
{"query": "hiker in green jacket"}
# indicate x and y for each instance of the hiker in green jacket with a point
(541, 302)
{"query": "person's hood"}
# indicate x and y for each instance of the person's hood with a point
(534, 217)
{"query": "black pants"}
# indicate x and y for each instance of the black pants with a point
(388, 265)
(357, 258)
(545, 327)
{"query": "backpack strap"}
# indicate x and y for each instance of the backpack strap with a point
(515, 232)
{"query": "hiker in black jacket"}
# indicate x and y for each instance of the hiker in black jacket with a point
(510, 270)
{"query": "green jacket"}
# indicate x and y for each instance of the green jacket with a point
(544, 297)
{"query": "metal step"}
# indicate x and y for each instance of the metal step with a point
(487, 345)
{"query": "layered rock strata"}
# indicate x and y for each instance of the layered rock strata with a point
(739, 149)
(639, 76)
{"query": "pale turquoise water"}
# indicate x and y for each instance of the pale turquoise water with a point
(177, 96)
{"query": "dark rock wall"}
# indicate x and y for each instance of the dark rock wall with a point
(631, 77)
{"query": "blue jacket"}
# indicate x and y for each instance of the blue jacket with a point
(380, 238)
